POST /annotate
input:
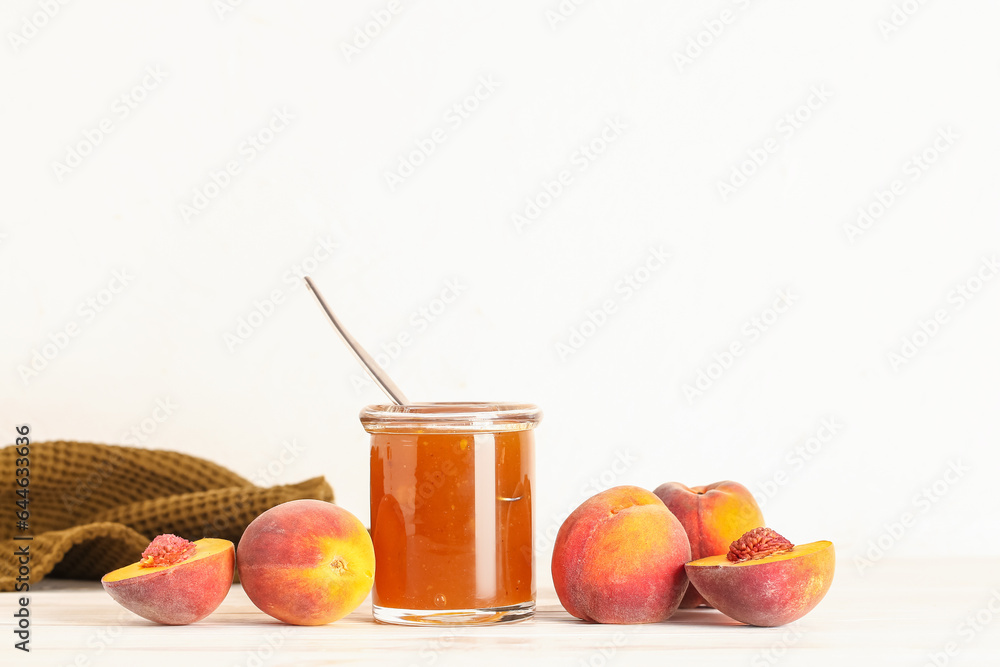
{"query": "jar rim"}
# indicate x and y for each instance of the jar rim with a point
(462, 416)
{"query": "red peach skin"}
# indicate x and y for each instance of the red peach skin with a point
(306, 562)
(713, 516)
(771, 591)
(177, 594)
(619, 558)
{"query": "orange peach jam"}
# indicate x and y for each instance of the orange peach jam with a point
(451, 510)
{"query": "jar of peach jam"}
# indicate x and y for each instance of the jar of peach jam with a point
(451, 511)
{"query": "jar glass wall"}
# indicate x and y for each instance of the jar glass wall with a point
(452, 511)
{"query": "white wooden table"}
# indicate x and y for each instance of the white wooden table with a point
(897, 613)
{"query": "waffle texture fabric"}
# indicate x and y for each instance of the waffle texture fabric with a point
(94, 507)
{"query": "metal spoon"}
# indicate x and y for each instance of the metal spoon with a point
(376, 372)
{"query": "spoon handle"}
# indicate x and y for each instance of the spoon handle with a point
(374, 370)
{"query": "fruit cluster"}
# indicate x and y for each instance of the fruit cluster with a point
(304, 562)
(627, 555)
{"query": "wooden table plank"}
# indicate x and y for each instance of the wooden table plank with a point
(899, 613)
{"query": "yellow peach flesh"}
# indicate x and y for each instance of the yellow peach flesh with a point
(203, 549)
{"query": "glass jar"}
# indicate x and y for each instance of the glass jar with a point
(452, 511)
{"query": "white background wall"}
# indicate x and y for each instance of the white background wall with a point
(192, 278)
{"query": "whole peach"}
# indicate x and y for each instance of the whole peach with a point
(619, 558)
(713, 516)
(306, 562)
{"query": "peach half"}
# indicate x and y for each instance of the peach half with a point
(713, 515)
(619, 558)
(176, 582)
(764, 580)
(306, 562)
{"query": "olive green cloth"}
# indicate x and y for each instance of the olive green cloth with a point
(95, 508)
